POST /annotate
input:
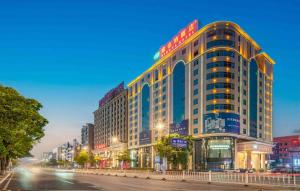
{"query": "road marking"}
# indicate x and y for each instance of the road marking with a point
(67, 181)
(6, 185)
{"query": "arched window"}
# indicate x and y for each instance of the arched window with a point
(145, 107)
(178, 92)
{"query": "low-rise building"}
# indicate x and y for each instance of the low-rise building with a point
(286, 151)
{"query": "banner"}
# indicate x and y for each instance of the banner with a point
(181, 128)
(145, 137)
(221, 123)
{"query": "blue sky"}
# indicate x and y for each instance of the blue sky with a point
(67, 54)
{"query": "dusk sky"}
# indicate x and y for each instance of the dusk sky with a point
(67, 54)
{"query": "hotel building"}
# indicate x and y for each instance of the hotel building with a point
(110, 126)
(214, 83)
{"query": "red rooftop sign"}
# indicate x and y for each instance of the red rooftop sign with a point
(177, 40)
(111, 94)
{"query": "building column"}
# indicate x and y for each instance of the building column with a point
(249, 165)
(152, 156)
(141, 158)
(262, 161)
(236, 160)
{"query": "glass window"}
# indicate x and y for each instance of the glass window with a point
(219, 64)
(220, 107)
(195, 130)
(145, 107)
(220, 96)
(219, 85)
(195, 102)
(220, 53)
(253, 94)
(195, 92)
(179, 92)
(195, 121)
(220, 75)
(195, 72)
(195, 111)
(196, 62)
(195, 82)
(216, 43)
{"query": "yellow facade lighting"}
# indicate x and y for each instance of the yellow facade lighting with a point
(214, 69)
(227, 101)
(215, 37)
(214, 101)
(227, 69)
(214, 59)
(227, 90)
(214, 80)
(227, 58)
(227, 79)
(197, 34)
(214, 91)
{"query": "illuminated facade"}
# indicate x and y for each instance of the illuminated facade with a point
(110, 126)
(215, 84)
(87, 136)
(286, 152)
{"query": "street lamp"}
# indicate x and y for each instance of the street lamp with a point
(85, 148)
(159, 126)
(114, 139)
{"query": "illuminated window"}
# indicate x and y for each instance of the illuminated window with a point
(216, 43)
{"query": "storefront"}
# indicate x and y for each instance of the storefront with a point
(214, 153)
(142, 157)
(253, 155)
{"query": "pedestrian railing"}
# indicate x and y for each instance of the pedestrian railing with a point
(292, 180)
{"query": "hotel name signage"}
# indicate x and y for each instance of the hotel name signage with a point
(178, 39)
(111, 94)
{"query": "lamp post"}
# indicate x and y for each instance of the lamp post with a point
(160, 127)
(114, 141)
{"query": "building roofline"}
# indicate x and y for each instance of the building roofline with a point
(197, 33)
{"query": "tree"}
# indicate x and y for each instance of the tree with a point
(82, 158)
(21, 125)
(124, 158)
(92, 159)
(174, 155)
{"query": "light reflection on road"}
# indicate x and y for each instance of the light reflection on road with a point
(26, 176)
(64, 175)
(30, 174)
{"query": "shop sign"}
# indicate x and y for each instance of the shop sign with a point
(179, 143)
(219, 147)
(178, 39)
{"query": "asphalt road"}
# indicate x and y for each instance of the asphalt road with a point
(33, 178)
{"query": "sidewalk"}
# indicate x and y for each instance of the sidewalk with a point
(4, 177)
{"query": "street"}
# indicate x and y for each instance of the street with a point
(35, 178)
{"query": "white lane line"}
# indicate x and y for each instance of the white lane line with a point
(67, 181)
(6, 185)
